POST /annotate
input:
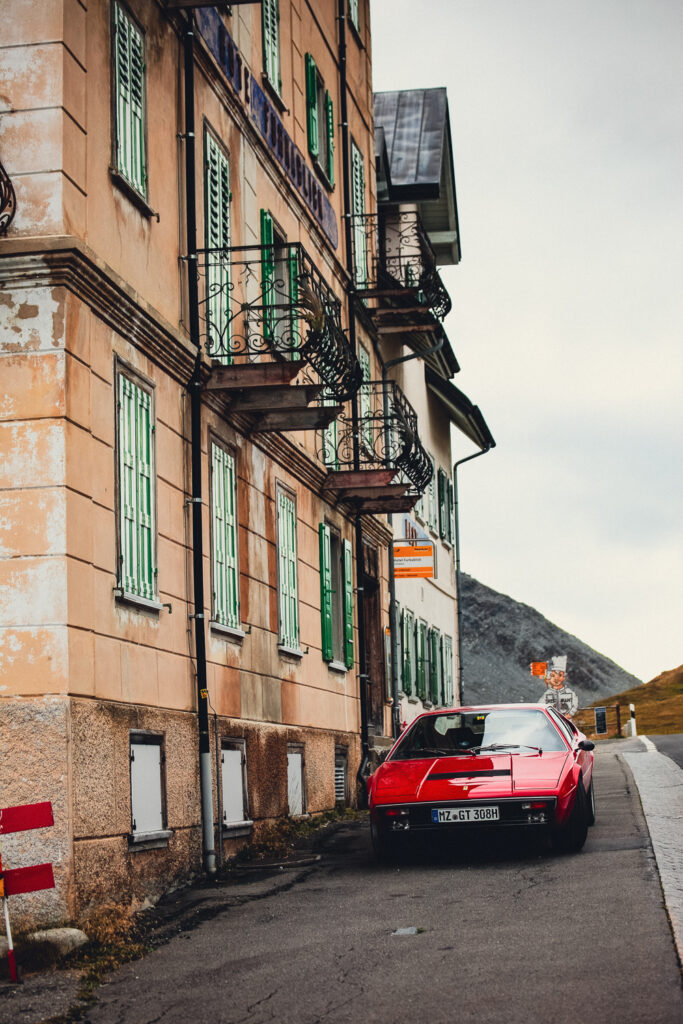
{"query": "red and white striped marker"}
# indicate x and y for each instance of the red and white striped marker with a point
(19, 880)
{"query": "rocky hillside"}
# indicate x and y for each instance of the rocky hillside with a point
(500, 637)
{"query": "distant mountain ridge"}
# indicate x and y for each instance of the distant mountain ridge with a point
(501, 636)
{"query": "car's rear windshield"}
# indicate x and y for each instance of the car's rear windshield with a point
(508, 730)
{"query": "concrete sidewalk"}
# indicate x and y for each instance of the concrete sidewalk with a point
(660, 786)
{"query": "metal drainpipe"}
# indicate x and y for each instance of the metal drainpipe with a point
(467, 458)
(393, 615)
(194, 387)
(351, 316)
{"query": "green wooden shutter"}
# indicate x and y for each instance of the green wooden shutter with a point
(434, 665)
(226, 606)
(451, 513)
(408, 630)
(312, 125)
(270, 18)
(293, 270)
(364, 397)
(431, 500)
(217, 198)
(136, 490)
(329, 115)
(268, 275)
(443, 509)
(447, 670)
(347, 559)
(287, 572)
(358, 212)
(421, 645)
(129, 72)
(325, 591)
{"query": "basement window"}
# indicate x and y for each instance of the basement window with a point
(341, 776)
(147, 790)
(236, 820)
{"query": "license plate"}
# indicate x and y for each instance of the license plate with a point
(448, 815)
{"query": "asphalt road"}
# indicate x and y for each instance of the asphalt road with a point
(671, 745)
(494, 935)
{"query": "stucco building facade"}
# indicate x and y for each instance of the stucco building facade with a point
(199, 442)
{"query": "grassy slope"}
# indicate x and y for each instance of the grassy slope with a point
(659, 703)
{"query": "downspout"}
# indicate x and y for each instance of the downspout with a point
(194, 388)
(351, 317)
(393, 611)
(467, 458)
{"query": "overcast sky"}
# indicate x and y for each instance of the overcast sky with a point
(567, 321)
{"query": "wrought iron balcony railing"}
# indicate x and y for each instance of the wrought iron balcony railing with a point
(387, 436)
(270, 300)
(391, 252)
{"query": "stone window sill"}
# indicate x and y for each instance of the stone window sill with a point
(125, 597)
(235, 829)
(227, 632)
(273, 94)
(149, 840)
(290, 652)
(337, 666)
(135, 197)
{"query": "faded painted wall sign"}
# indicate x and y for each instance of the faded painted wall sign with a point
(263, 114)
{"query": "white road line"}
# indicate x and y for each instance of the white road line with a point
(660, 785)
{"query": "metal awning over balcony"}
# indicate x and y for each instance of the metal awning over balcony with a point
(394, 260)
(272, 327)
(377, 463)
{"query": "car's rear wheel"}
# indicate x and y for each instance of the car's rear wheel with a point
(382, 844)
(571, 837)
(590, 803)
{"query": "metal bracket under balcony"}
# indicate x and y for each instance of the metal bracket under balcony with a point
(388, 469)
(393, 260)
(268, 319)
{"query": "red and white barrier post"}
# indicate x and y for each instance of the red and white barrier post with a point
(20, 880)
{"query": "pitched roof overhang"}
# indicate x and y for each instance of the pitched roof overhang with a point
(416, 127)
(464, 415)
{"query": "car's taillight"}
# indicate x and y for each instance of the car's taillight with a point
(535, 805)
(398, 817)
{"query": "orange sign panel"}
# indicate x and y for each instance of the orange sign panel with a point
(538, 668)
(413, 561)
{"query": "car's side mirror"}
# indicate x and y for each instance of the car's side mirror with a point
(586, 745)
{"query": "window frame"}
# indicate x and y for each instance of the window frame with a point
(155, 837)
(216, 624)
(118, 171)
(284, 494)
(355, 5)
(244, 825)
(123, 370)
(320, 122)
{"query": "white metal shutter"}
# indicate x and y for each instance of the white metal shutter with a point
(233, 785)
(295, 782)
(145, 787)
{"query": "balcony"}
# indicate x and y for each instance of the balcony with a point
(272, 328)
(378, 465)
(394, 261)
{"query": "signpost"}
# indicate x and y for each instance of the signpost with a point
(414, 559)
(21, 880)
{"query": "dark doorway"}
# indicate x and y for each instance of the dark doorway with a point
(374, 640)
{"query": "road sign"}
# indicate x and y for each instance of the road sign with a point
(414, 560)
(31, 879)
(25, 817)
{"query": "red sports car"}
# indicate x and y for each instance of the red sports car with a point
(502, 765)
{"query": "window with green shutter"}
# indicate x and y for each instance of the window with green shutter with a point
(137, 525)
(359, 233)
(319, 121)
(365, 397)
(287, 587)
(434, 665)
(447, 660)
(409, 654)
(336, 597)
(279, 289)
(432, 516)
(354, 14)
(224, 545)
(270, 19)
(217, 198)
(444, 515)
(421, 660)
(129, 100)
